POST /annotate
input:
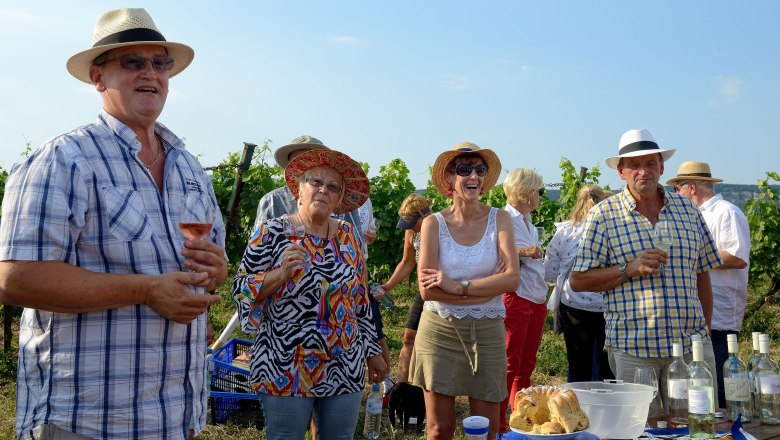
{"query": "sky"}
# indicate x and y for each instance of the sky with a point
(533, 81)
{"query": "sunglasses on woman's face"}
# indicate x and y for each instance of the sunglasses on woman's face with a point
(541, 192)
(136, 63)
(465, 169)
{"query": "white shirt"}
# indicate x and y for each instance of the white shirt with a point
(532, 286)
(558, 259)
(731, 233)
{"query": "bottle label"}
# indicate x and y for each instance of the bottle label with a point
(769, 384)
(699, 401)
(374, 406)
(737, 389)
(678, 388)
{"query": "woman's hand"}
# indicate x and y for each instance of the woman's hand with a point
(292, 258)
(534, 252)
(377, 369)
(436, 278)
(500, 267)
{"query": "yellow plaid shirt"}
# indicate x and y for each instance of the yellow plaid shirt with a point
(646, 314)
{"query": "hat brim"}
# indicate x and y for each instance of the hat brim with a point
(674, 180)
(613, 161)
(406, 223)
(78, 65)
(356, 185)
(438, 173)
(282, 154)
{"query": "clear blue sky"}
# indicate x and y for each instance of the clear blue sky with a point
(535, 81)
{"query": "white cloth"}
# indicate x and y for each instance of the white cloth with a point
(731, 233)
(532, 285)
(468, 263)
(558, 260)
(366, 213)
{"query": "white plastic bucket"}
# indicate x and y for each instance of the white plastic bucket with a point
(615, 409)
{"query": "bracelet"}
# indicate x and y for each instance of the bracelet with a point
(622, 270)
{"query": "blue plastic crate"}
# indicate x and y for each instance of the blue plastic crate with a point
(236, 409)
(226, 377)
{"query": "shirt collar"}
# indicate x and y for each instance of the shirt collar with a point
(629, 202)
(122, 131)
(709, 204)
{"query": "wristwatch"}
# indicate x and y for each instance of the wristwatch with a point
(622, 270)
(465, 284)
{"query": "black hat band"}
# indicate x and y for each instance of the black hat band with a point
(638, 146)
(130, 36)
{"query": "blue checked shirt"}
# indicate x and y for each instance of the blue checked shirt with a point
(85, 199)
(645, 315)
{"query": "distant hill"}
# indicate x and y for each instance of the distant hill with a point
(734, 193)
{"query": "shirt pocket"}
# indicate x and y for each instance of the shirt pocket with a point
(126, 218)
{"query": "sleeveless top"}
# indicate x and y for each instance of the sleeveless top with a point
(468, 263)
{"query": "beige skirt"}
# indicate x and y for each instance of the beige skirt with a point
(460, 357)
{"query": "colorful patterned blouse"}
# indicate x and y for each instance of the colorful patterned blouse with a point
(313, 334)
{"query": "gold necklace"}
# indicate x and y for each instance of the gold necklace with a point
(159, 153)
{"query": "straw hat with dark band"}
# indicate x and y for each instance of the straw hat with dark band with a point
(438, 174)
(692, 170)
(356, 187)
(126, 27)
(637, 143)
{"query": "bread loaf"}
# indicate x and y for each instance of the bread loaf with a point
(546, 409)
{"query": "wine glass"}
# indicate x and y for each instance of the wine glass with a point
(540, 234)
(648, 376)
(662, 239)
(294, 232)
(373, 225)
(197, 219)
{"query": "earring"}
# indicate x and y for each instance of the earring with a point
(448, 193)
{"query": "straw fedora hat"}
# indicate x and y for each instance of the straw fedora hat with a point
(438, 174)
(692, 170)
(126, 27)
(637, 143)
(305, 142)
(356, 187)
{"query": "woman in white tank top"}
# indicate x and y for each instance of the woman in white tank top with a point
(467, 260)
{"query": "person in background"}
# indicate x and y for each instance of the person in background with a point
(413, 210)
(313, 326)
(647, 310)
(112, 338)
(467, 260)
(580, 314)
(731, 233)
(526, 302)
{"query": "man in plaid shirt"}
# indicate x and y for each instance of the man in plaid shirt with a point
(653, 298)
(112, 339)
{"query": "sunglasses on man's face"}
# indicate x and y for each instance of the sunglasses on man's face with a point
(465, 169)
(136, 63)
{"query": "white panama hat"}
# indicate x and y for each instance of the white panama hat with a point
(126, 27)
(637, 143)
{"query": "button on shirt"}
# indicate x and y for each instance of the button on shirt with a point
(532, 286)
(84, 198)
(731, 233)
(646, 314)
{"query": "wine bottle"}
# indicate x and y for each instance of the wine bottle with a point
(768, 380)
(751, 365)
(677, 387)
(701, 398)
(736, 384)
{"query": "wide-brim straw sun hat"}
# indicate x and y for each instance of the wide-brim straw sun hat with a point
(438, 174)
(126, 27)
(638, 143)
(356, 186)
(304, 142)
(692, 170)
